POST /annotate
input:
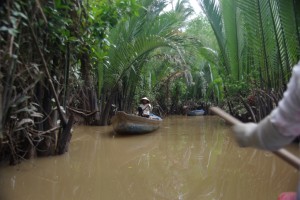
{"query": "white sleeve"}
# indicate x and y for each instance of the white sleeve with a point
(286, 117)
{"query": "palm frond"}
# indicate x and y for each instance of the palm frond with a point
(127, 55)
(229, 12)
(213, 13)
(289, 28)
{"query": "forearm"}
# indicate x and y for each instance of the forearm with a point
(270, 137)
(263, 135)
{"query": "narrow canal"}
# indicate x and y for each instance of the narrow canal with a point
(188, 158)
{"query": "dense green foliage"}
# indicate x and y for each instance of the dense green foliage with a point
(258, 44)
(47, 54)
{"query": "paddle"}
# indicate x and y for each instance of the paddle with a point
(282, 153)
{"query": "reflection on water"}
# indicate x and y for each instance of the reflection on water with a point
(187, 158)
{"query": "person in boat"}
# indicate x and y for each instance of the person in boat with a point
(279, 128)
(145, 107)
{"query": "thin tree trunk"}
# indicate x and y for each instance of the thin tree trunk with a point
(46, 147)
(90, 90)
(64, 137)
(66, 76)
(107, 108)
(1, 110)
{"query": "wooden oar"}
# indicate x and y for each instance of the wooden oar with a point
(282, 153)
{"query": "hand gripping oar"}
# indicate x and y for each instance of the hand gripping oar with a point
(282, 153)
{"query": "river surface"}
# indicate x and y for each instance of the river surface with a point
(188, 158)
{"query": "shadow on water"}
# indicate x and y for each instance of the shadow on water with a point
(188, 158)
(126, 135)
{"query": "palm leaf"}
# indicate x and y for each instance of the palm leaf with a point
(125, 56)
(213, 13)
(229, 11)
(287, 18)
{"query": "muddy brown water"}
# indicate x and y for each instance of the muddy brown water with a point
(188, 158)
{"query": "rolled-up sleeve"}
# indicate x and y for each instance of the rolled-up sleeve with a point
(286, 117)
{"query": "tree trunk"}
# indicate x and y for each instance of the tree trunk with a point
(106, 111)
(64, 137)
(1, 111)
(47, 146)
(90, 90)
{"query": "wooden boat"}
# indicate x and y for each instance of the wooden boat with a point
(125, 123)
(196, 112)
